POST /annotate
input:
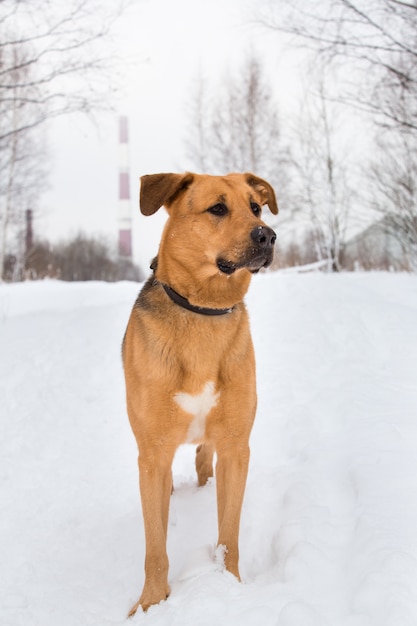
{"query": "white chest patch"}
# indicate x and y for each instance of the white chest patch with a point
(199, 406)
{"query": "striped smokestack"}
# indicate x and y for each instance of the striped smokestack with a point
(125, 213)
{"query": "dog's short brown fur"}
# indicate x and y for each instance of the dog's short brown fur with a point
(190, 376)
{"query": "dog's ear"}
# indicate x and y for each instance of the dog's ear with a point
(266, 191)
(160, 189)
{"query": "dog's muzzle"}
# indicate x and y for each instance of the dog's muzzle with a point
(259, 254)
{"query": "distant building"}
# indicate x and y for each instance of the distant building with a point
(380, 246)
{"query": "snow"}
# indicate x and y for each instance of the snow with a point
(328, 530)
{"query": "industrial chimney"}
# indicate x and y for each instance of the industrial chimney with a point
(29, 232)
(125, 213)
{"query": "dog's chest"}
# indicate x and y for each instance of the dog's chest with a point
(198, 406)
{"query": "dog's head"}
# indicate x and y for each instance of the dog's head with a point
(214, 226)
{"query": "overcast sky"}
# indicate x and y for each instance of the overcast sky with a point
(167, 44)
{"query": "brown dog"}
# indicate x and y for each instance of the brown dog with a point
(188, 356)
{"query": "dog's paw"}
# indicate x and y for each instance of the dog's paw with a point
(148, 598)
(134, 609)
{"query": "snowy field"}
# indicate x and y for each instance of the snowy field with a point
(329, 523)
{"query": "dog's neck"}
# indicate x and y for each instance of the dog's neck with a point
(185, 304)
(219, 295)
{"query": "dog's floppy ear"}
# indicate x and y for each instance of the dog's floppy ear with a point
(266, 191)
(159, 189)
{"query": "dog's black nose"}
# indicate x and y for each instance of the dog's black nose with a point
(263, 236)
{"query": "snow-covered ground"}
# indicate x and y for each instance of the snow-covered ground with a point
(329, 524)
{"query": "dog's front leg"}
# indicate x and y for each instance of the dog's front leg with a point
(231, 473)
(155, 489)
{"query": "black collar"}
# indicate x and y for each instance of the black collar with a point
(181, 301)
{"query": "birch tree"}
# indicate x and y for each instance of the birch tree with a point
(394, 184)
(372, 47)
(238, 129)
(373, 42)
(53, 62)
(325, 190)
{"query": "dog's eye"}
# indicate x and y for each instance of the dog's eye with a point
(256, 209)
(219, 209)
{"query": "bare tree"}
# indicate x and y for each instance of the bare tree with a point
(325, 190)
(394, 178)
(51, 63)
(81, 258)
(375, 42)
(89, 258)
(21, 168)
(239, 129)
(53, 54)
(372, 47)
